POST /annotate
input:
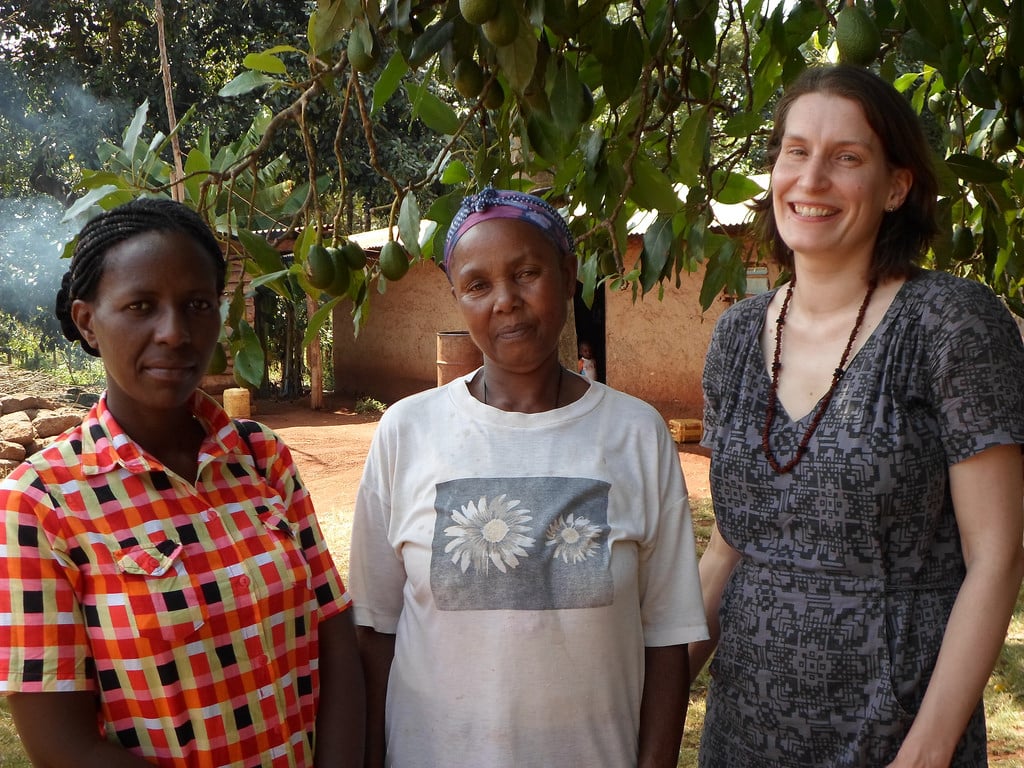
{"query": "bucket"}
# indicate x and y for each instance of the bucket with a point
(236, 403)
(457, 355)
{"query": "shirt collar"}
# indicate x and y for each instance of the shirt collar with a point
(106, 446)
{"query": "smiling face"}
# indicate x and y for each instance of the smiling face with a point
(155, 319)
(831, 183)
(512, 287)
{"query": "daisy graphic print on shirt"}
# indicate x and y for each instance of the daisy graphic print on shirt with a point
(521, 543)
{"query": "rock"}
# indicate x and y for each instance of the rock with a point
(17, 428)
(6, 467)
(23, 401)
(10, 451)
(50, 423)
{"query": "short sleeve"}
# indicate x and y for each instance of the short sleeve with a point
(712, 381)
(977, 371)
(671, 603)
(43, 642)
(376, 572)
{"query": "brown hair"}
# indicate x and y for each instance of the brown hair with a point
(905, 233)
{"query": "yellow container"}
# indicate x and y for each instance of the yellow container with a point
(237, 403)
(686, 430)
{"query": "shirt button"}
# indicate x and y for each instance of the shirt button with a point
(243, 581)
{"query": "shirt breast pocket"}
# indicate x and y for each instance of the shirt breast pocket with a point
(164, 602)
(294, 571)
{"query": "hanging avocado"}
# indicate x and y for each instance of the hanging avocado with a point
(857, 37)
(394, 262)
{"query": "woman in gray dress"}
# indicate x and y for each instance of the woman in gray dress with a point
(865, 421)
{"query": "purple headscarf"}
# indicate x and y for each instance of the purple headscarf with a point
(491, 203)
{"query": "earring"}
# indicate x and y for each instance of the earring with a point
(891, 207)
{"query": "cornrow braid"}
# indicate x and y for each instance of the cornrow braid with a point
(99, 235)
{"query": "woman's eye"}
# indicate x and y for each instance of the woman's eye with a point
(138, 306)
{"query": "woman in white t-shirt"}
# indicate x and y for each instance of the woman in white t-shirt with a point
(523, 564)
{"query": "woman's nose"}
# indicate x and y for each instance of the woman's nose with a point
(814, 173)
(172, 328)
(506, 295)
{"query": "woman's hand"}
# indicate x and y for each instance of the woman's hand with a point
(341, 712)
(987, 491)
(60, 730)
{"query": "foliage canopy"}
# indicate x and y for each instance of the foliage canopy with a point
(608, 108)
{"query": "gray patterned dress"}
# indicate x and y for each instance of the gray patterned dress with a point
(850, 564)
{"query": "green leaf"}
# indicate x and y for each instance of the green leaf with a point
(248, 354)
(518, 60)
(975, 169)
(652, 189)
(434, 113)
(316, 322)
(588, 276)
(244, 83)
(306, 239)
(933, 20)
(134, 130)
(409, 224)
(691, 147)
(261, 252)
(546, 139)
(235, 311)
(702, 36)
(327, 24)
(265, 62)
(95, 200)
(656, 251)
(621, 75)
(388, 81)
(724, 268)
(742, 124)
(430, 41)
(731, 188)
(978, 88)
(268, 279)
(197, 163)
(566, 97)
(455, 172)
(94, 179)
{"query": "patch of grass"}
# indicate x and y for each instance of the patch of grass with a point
(369, 405)
(11, 753)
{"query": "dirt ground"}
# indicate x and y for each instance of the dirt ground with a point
(330, 447)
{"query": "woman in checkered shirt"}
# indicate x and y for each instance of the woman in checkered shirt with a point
(166, 595)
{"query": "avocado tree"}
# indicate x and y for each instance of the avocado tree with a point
(606, 108)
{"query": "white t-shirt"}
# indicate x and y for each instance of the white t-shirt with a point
(523, 561)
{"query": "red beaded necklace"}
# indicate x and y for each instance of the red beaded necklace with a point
(769, 416)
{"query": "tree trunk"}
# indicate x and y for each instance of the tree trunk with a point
(314, 359)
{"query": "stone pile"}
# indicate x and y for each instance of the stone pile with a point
(28, 423)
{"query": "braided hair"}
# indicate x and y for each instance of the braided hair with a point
(99, 235)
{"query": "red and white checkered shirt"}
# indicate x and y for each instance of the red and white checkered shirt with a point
(192, 609)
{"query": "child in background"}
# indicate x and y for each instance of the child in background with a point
(587, 364)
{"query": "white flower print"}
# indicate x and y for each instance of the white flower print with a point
(489, 532)
(574, 538)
